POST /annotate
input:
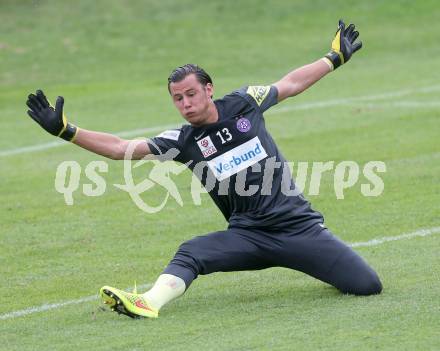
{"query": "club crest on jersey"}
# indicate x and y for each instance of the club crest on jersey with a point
(237, 159)
(206, 147)
(243, 125)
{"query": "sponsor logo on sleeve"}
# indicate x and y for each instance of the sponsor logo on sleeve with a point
(206, 146)
(237, 159)
(259, 93)
(170, 134)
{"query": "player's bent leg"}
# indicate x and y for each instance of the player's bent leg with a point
(320, 254)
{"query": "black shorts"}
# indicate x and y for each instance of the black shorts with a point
(316, 252)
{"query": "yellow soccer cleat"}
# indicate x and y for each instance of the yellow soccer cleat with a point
(131, 304)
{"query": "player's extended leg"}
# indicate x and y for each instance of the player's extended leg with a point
(322, 255)
(223, 251)
(230, 250)
(166, 288)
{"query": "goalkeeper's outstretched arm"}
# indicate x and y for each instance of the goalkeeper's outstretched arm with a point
(110, 145)
(343, 47)
(55, 122)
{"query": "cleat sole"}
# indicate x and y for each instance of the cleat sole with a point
(118, 306)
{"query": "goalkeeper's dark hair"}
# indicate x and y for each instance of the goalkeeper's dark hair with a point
(180, 73)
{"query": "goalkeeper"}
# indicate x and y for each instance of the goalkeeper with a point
(269, 228)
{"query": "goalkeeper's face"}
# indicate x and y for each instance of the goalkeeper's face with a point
(192, 99)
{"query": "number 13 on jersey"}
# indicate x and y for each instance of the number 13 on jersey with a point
(224, 135)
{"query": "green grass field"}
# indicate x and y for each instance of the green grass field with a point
(110, 61)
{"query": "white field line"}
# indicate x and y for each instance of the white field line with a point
(350, 100)
(56, 143)
(400, 104)
(379, 241)
(292, 107)
(52, 306)
(47, 307)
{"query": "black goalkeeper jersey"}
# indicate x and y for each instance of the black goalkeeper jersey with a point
(239, 164)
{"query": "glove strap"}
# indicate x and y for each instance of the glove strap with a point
(328, 63)
(335, 59)
(69, 133)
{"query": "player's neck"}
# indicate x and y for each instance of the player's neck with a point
(211, 115)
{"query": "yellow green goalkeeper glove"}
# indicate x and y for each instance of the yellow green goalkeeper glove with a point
(343, 45)
(51, 119)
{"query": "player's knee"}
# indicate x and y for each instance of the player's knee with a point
(367, 284)
(354, 276)
(376, 287)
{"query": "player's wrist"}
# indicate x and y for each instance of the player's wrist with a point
(335, 58)
(69, 132)
(329, 63)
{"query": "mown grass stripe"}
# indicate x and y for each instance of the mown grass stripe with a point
(373, 242)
